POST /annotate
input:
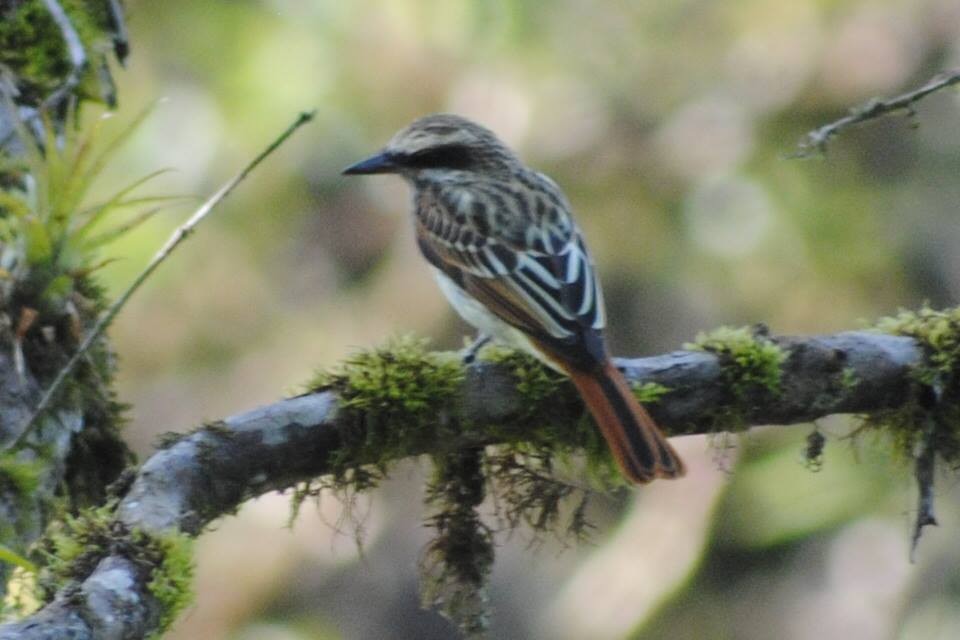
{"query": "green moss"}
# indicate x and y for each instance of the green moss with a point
(397, 402)
(938, 333)
(750, 365)
(21, 476)
(530, 492)
(33, 48)
(650, 392)
(171, 581)
(73, 546)
(849, 379)
(551, 438)
(536, 382)
(552, 423)
(935, 396)
(396, 398)
(750, 361)
(457, 562)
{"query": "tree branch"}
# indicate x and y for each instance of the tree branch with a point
(210, 472)
(816, 141)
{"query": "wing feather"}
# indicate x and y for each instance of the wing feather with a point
(540, 280)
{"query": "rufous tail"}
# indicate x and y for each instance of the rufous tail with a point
(640, 449)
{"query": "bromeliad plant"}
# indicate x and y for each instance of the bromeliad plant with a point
(51, 237)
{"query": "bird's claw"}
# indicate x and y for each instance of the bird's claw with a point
(470, 353)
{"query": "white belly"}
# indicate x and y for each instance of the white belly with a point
(483, 320)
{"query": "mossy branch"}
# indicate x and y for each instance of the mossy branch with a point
(208, 473)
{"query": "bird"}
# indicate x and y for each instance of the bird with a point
(510, 258)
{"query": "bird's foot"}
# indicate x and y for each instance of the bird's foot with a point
(470, 353)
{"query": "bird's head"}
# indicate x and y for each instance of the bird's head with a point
(439, 146)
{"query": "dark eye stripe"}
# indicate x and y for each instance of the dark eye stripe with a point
(450, 156)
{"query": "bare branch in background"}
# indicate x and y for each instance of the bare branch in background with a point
(816, 141)
(208, 473)
(924, 466)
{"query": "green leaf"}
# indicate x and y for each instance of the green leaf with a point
(115, 232)
(10, 556)
(97, 164)
(13, 206)
(77, 177)
(59, 288)
(39, 248)
(96, 213)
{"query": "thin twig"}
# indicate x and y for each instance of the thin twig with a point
(924, 465)
(816, 141)
(175, 239)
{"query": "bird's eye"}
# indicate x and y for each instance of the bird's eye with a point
(450, 156)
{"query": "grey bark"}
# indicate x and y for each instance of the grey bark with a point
(23, 515)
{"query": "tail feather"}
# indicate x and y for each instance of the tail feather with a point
(638, 446)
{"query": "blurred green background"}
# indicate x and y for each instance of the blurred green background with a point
(667, 123)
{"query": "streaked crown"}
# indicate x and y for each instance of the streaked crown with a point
(441, 142)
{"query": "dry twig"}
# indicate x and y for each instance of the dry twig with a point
(816, 141)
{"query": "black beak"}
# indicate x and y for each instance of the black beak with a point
(380, 163)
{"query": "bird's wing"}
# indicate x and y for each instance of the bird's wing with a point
(536, 276)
